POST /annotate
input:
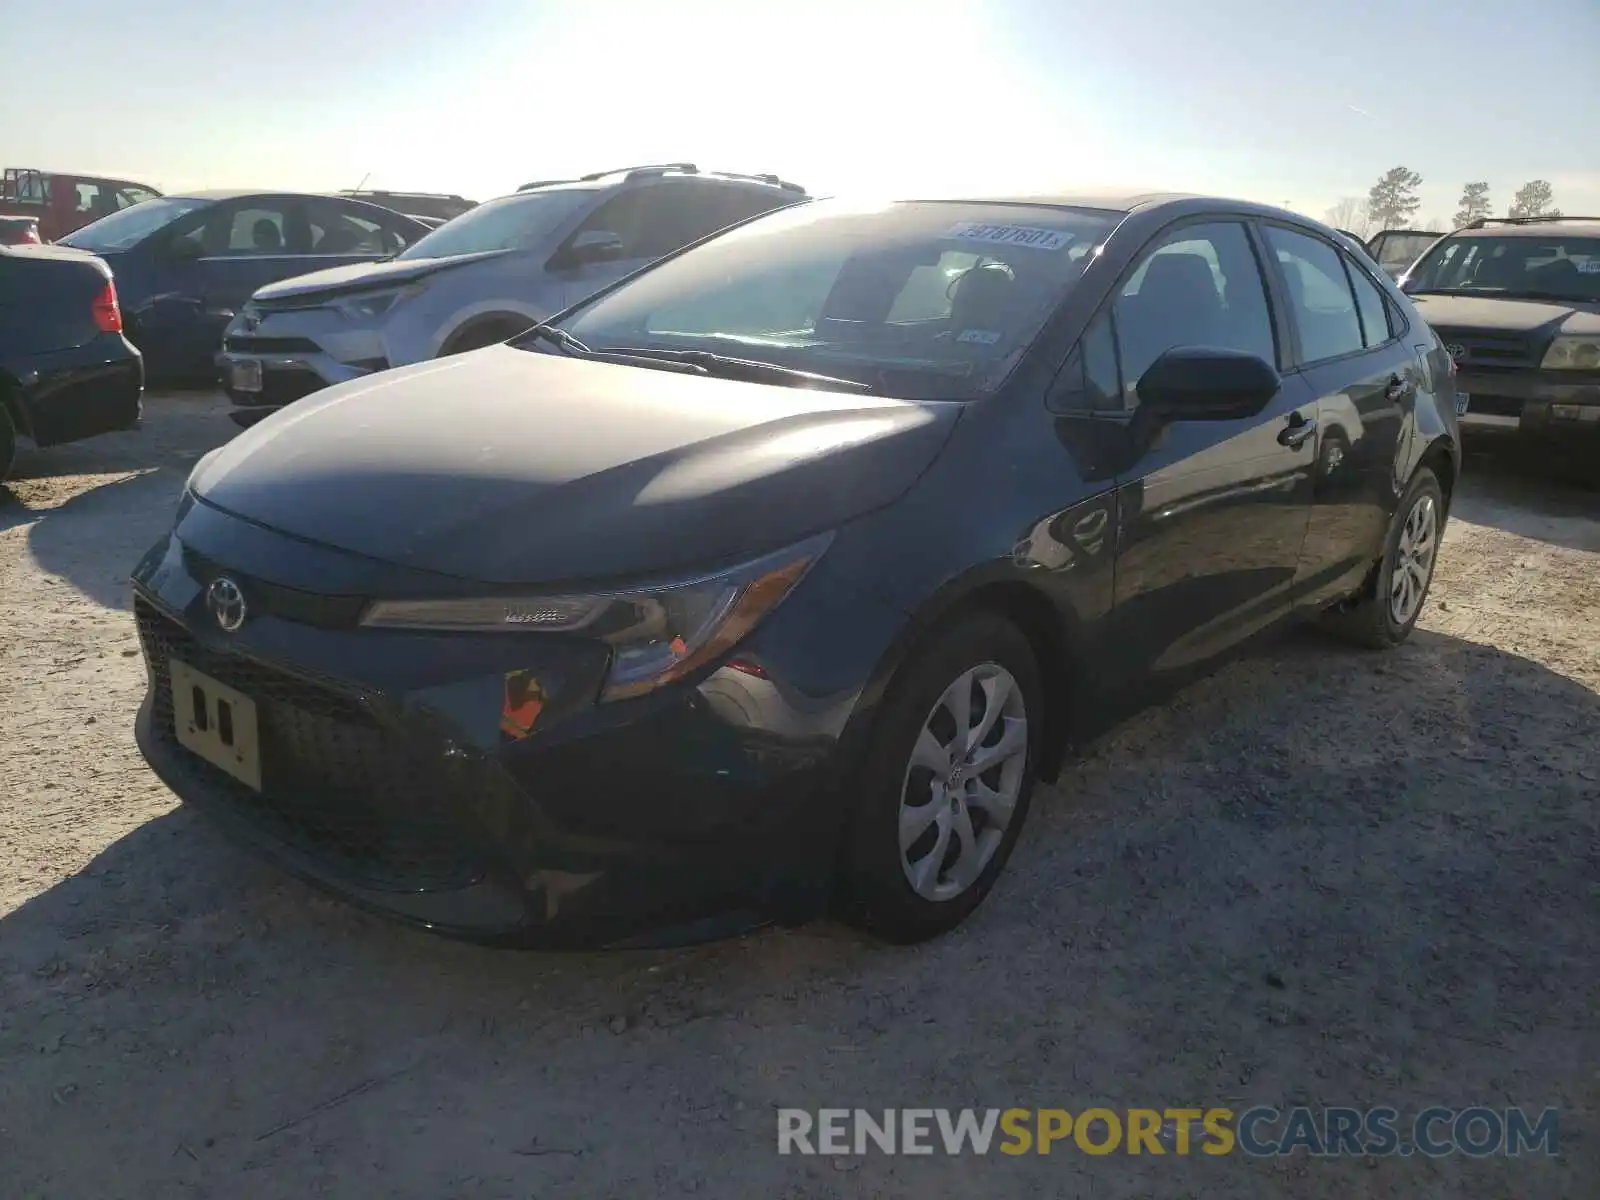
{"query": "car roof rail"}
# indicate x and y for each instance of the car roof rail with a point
(414, 195)
(539, 183)
(1541, 220)
(785, 184)
(687, 168)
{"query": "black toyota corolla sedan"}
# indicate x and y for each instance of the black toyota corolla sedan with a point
(768, 581)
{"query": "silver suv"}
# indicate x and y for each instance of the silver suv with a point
(478, 279)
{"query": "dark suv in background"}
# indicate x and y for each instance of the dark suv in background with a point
(1517, 302)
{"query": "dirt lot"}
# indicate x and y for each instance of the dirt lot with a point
(1322, 876)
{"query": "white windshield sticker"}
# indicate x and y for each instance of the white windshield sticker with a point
(1592, 267)
(983, 337)
(1010, 235)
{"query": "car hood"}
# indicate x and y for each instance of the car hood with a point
(1508, 315)
(361, 277)
(510, 466)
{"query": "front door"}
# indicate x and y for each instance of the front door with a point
(1211, 515)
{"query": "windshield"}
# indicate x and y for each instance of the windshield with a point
(132, 225)
(509, 223)
(921, 300)
(1559, 268)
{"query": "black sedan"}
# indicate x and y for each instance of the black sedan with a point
(770, 579)
(66, 370)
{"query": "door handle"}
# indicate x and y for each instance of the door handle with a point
(1297, 432)
(1399, 389)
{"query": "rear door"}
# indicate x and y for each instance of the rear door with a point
(1211, 514)
(1348, 345)
(340, 233)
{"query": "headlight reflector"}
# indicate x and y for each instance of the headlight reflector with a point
(369, 305)
(657, 633)
(1573, 354)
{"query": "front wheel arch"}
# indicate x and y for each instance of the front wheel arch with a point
(486, 329)
(1051, 634)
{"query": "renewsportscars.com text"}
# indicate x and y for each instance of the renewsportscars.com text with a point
(1261, 1131)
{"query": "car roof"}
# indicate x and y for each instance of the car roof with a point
(1108, 200)
(216, 195)
(1127, 202)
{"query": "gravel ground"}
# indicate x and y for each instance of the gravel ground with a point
(1321, 876)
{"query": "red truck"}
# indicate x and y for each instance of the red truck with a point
(61, 202)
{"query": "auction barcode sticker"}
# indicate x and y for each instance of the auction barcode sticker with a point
(1010, 235)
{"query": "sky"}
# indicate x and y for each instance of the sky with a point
(1295, 102)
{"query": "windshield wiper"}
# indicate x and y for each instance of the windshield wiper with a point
(727, 367)
(1557, 297)
(1499, 293)
(554, 333)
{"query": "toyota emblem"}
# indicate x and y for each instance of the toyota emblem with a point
(1456, 351)
(226, 603)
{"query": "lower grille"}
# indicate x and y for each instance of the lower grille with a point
(280, 386)
(250, 344)
(1495, 406)
(336, 784)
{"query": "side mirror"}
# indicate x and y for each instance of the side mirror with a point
(594, 246)
(184, 249)
(1206, 383)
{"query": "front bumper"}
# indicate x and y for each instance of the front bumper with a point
(300, 350)
(79, 392)
(1535, 401)
(285, 378)
(395, 773)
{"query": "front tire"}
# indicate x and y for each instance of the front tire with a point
(1386, 611)
(948, 778)
(8, 443)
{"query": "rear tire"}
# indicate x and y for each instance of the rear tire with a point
(934, 828)
(1385, 612)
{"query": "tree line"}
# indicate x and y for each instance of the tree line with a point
(1392, 203)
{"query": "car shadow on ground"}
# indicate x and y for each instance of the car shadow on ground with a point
(1512, 485)
(93, 507)
(1323, 876)
(93, 540)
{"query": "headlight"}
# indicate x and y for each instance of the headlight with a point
(658, 633)
(374, 304)
(1573, 354)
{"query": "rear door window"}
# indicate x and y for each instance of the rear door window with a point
(658, 218)
(339, 229)
(1324, 307)
(1374, 312)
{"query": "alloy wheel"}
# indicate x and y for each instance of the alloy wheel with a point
(963, 782)
(1413, 560)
